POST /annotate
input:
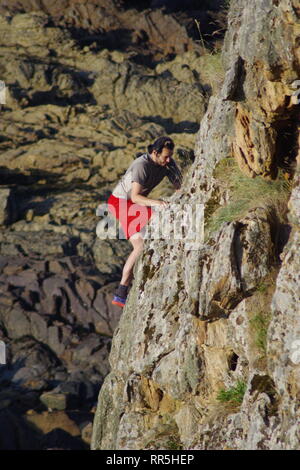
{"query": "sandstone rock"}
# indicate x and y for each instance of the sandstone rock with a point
(266, 95)
(93, 145)
(106, 316)
(54, 401)
(78, 393)
(47, 422)
(38, 327)
(14, 31)
(34, 354)
(90, 352)
(4, 196)
(246, 261)
(129, 90)
(146, 26)
(86, 433)
(18, 243)
(86, 291)
(17, 323)
(283, 347)
(54, 340)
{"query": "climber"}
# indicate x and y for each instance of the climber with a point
(129, 202)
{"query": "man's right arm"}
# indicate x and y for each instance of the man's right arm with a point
(174, 174)
(138, 198)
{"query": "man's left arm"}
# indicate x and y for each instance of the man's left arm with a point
(174, 174)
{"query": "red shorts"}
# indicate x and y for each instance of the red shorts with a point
(133, 217)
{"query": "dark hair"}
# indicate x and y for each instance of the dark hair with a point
(160, 143)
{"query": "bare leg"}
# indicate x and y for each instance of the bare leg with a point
(137, 242)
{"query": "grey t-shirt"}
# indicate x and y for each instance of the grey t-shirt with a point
(148, 174)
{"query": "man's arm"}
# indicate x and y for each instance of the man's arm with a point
(174, 174)
(138, 198)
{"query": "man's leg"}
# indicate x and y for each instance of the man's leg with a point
(137, 242)
(121, 292)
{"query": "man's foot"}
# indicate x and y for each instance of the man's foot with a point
(120, 296)
(120, 301)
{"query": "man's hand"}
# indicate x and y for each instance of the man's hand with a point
(162, 204)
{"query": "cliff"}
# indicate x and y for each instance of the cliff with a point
(88, 84)
(206, 353)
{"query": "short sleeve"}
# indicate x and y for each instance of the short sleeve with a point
(139, 174)
(174, 173)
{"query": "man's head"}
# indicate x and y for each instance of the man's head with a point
(162, 150)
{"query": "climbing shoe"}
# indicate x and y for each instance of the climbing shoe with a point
(120, 296)
(120, 301)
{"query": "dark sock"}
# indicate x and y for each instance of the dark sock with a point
(122, 291)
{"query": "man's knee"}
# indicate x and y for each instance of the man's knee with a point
(137, 236)
(137, 242)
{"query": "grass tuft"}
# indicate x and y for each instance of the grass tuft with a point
(260, 323)
(233, 394)
(212, 71)
(174, 443)
(246, 193)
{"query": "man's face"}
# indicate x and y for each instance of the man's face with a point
(164, 157)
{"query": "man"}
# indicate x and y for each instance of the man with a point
(131, 196)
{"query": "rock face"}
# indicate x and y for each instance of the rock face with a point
(84, 93)
(157, 28)
(264, 66)
(206, 353)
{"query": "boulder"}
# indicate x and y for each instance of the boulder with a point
(54, 401)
